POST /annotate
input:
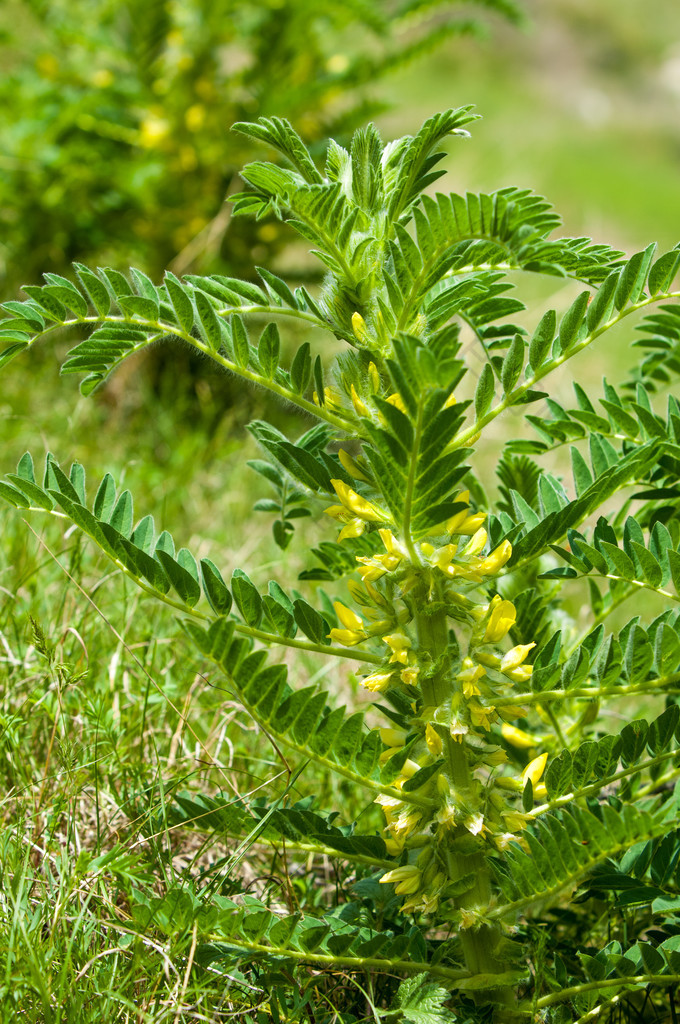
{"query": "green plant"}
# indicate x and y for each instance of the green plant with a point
(114, 116)
(497, 784)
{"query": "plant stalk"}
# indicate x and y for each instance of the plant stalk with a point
(439, 687)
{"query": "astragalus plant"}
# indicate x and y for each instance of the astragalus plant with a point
(477, 613)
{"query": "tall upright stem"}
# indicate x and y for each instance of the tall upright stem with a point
(439, 687)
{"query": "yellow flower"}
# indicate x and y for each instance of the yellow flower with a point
(496, 560)
(351, 466)
(475, 545)
(474, 823)
(347, 637)
(360, 407)
(369, 569)
(522, 673)
(374, 377)
(405, 879)
(392, 545)
(517, 737)
(501, 620)
(454, 522)
(332, 399)
(451, 400)
(515, 657)
(360, 329)
(495, 757)
(378, 682)
(102, 78)
(433, 740)
(409, 675)
(393, 737)
(458, 729)
(194, 117)
(534, 770)
(347, 617)
(471, 523)
(515, 821)
(482, 715)
(355, 503)
(152, 131)
(354, 526)
(468, 676)
(398, 402)
(399, 645)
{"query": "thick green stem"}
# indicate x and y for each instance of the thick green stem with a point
(439, 688)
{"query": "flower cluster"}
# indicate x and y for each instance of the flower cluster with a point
(447, 574)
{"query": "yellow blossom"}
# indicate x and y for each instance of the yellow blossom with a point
(521, 674)
(369, 569)
(515, 821)
(468, 676)
(493, 758)
(347, 617)
(514, 658)
(393, 845)
(475, 545)
(534, 770)
(378, 682)
(458, 729)
(393, 737)
(451, 400)
(355, 503)
(474, 823)
(347, 637)
(454, 522)
(408, 770)
(406, 823)
(471, 524)
(360, 407)
(392, 545)
(502, 619)
(409, 675)
(352, 466)
(446, 815)
(332, 400)
(102, 78)
(496, 560)
(405, 879)
(433, 740)
(360, 329)
(470, 919)
(374, 377)
(481, 715)
(152, 131)
(398, 402)
(517, 737)
(399, 645)
(422, 902)
(502, 840)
